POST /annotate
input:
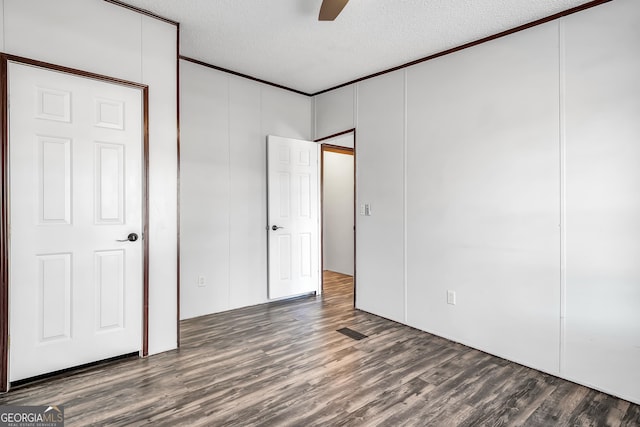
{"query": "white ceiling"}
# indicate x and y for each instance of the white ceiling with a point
(282, 41)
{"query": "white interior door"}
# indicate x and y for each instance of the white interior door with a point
(75, 159)
(293, 227)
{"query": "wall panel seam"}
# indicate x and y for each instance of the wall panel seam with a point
(229, 185)
(404, 196)
(563, 190)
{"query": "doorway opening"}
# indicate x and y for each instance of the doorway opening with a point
(338, 191)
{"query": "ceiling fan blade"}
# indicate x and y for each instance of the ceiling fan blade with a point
(330, 9)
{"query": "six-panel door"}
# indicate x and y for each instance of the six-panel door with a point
(75, 147)
(293, 201)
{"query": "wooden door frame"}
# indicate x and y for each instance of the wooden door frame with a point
(345, 150)
(4, 220)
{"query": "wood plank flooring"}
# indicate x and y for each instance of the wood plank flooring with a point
(284, 364)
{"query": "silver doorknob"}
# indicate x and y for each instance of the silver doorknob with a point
(275, 227)
(132, 237)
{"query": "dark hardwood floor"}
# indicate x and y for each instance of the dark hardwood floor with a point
(285, 364)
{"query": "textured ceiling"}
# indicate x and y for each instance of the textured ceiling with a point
(282, 41)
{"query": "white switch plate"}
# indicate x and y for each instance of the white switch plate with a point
(361, 209)
(451, 297)
(201, 281)
(367, 209)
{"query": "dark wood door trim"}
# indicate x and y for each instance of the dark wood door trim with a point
(4, 220)
(341, 150)
(355, 216)
(178, 185)
(145, 222)
(335, 135)
(4, 240)
(337, 149)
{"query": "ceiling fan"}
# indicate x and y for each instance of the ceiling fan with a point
(330, 9)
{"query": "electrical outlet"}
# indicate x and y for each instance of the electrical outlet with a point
(201, 281)
(451, 297)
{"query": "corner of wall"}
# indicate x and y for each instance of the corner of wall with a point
(404, 200)
(563, 194)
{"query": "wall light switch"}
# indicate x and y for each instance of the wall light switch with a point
(201, 281)
(451, 297)
(367, 209)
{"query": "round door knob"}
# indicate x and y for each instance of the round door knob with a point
(132, 237)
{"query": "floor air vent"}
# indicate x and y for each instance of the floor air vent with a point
(352, 334)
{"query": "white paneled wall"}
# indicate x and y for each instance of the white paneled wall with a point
(347, 140)
(380, 183)
(225, 121)
(95, 36)
(248, 240)
(509, 175)
(483, 197)
(334, 111)
(602, 172)
(285, 113)
(88, 35)
(204, 215)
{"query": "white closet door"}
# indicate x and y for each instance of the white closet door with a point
(76, 189)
